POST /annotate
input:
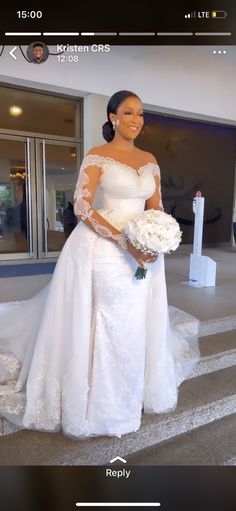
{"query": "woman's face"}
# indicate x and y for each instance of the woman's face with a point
(130, 118)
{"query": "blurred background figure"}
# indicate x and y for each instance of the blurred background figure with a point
(68, 219)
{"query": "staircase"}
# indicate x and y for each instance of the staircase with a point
(208, 395)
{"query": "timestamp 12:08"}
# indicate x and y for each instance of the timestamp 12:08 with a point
(68, 58)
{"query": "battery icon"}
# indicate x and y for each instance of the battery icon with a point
(219, 14)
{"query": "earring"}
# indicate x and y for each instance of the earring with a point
(115, 123)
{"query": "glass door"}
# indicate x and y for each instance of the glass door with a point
(57, 163)
(37, 183)
(17, 198)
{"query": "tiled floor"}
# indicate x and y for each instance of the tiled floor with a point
(207, 302)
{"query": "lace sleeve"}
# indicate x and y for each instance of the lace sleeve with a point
(86, 186)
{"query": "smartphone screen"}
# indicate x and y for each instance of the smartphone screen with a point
(162, 82)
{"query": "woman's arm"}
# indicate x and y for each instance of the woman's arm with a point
(86, 186)
(155, 201)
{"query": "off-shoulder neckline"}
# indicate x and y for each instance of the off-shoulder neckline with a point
(112, 160)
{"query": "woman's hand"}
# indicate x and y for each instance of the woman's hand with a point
(139, 256)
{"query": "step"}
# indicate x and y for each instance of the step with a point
(211, 444)
(180, 320)
(202, 400)
(214, 326)
(217, 343)
(184, 322)
(218, 351)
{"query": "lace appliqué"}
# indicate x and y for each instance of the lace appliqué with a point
(95, 159)
(83, 208)
(9, 368)
(10, 402)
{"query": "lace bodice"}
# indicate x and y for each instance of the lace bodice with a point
(119, 180)
(123, 189)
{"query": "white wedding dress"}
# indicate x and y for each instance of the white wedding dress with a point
(96, 345)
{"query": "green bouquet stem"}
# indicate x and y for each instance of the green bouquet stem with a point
(140, 273)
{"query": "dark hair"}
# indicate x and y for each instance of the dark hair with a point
(38, 44)
(113, 104)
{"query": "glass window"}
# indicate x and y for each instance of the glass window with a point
(36, 112)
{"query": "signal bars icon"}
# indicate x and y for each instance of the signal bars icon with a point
(191, 15)
(212, 14)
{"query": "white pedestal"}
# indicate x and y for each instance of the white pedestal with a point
(202, 271)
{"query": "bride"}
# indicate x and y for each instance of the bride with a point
(96, 346)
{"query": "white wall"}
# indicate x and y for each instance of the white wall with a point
(94, 117)
(189, 79)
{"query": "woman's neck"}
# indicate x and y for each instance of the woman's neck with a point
(122, 145)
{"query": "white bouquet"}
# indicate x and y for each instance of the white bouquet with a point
(153, 232)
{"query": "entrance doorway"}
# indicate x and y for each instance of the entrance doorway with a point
(37, 182)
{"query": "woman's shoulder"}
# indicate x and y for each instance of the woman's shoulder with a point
(146, 157)
(97, 151)
(94, 157)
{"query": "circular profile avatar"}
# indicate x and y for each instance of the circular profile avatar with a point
(37, 53)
